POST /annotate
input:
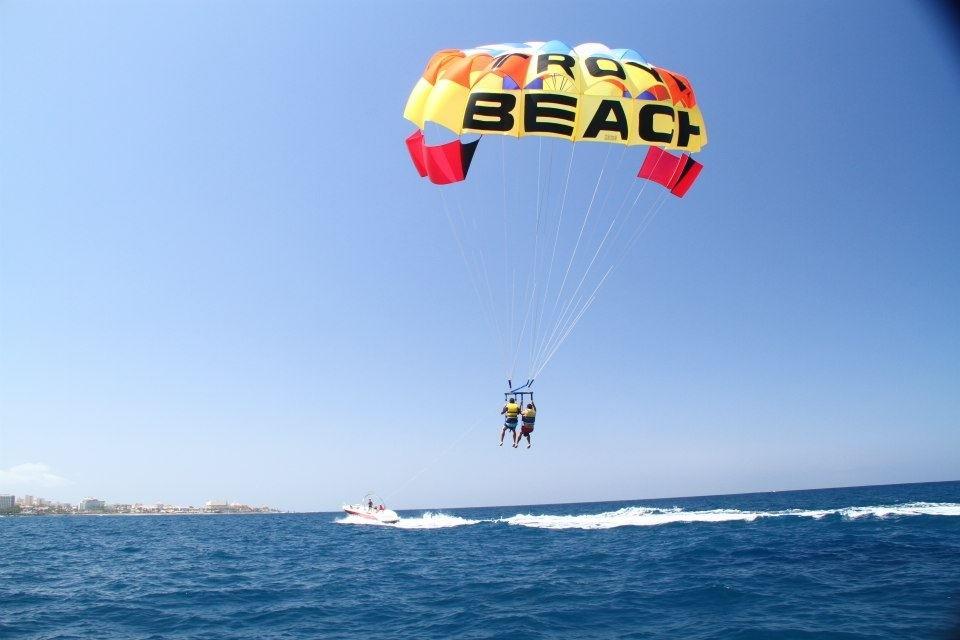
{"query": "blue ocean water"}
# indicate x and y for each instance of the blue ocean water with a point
(870, 562)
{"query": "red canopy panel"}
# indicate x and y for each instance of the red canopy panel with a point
(415, 147)
(443, 164)
(676, 174)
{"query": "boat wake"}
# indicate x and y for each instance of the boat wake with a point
(646, 517)
(650, 517)
(429, 520)
(359, 520)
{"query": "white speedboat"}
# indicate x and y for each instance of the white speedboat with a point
(372, 508)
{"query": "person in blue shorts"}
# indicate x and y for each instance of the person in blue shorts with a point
(511, 413)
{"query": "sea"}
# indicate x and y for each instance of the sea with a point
(852, 563)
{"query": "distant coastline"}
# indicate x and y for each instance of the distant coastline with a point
(28, 505)
(144, 514)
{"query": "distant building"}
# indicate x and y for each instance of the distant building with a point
(224, 506)
(7, 503)
(28, 501)
(92, 504)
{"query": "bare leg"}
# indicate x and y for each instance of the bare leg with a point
(502, 431)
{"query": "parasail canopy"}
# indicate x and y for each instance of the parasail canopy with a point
(543, 224)
(587, 93)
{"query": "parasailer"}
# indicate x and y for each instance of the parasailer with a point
(510, 413)
(527, 419)
(575, 209)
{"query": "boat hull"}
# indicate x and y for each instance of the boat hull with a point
(386, 516)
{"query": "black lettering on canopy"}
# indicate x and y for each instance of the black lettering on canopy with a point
(649, 70)
(685, 129)
(534, 110)
(497, 114)
(594, 69)
(601, 120)
(544, 60)
(500, 60)
(647, 132)
(680, 83)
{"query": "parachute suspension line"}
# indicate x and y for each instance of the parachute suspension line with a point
(493, 305)
(528, 296)
(509, 274)
(586, 217)
(573, 255)
(619, 231)
(543, 194)
(574, 302)
(577, 312)
(487, 306)
(524, 291)
(600, 217)
(513, 295)
(471, 275)
(473, 272)
(466, 261)
(523, 331)
(646, 219)
(536, 222)
(613, 184)
(556, 235)
(482, 259)
(645, 222)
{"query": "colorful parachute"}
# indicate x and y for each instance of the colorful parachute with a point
(547, 96)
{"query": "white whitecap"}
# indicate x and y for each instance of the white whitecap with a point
(629, 517)
(909, 509)
(428, 520)
(646, 516)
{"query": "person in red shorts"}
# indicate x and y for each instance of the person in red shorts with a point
(527, 418)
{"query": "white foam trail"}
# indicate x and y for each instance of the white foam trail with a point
(428, 520)
(629, 517)
(911, 509)
(359, 520)
(649, 517)
(646, 517)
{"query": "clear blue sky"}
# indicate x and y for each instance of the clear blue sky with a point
(220, 277)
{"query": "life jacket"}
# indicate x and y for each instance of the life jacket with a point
(513, 410)
(529, 416)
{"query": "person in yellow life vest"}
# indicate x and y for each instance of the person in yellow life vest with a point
(527, 418)
(511, 413)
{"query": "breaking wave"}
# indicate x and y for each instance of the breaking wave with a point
(911, 509)
(650, 517)
(429, 520)
(647, 517)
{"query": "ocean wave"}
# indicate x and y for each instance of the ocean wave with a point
(651, 516)
(429, 520)
(646, 516)
(909, 509)
(629, 517)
